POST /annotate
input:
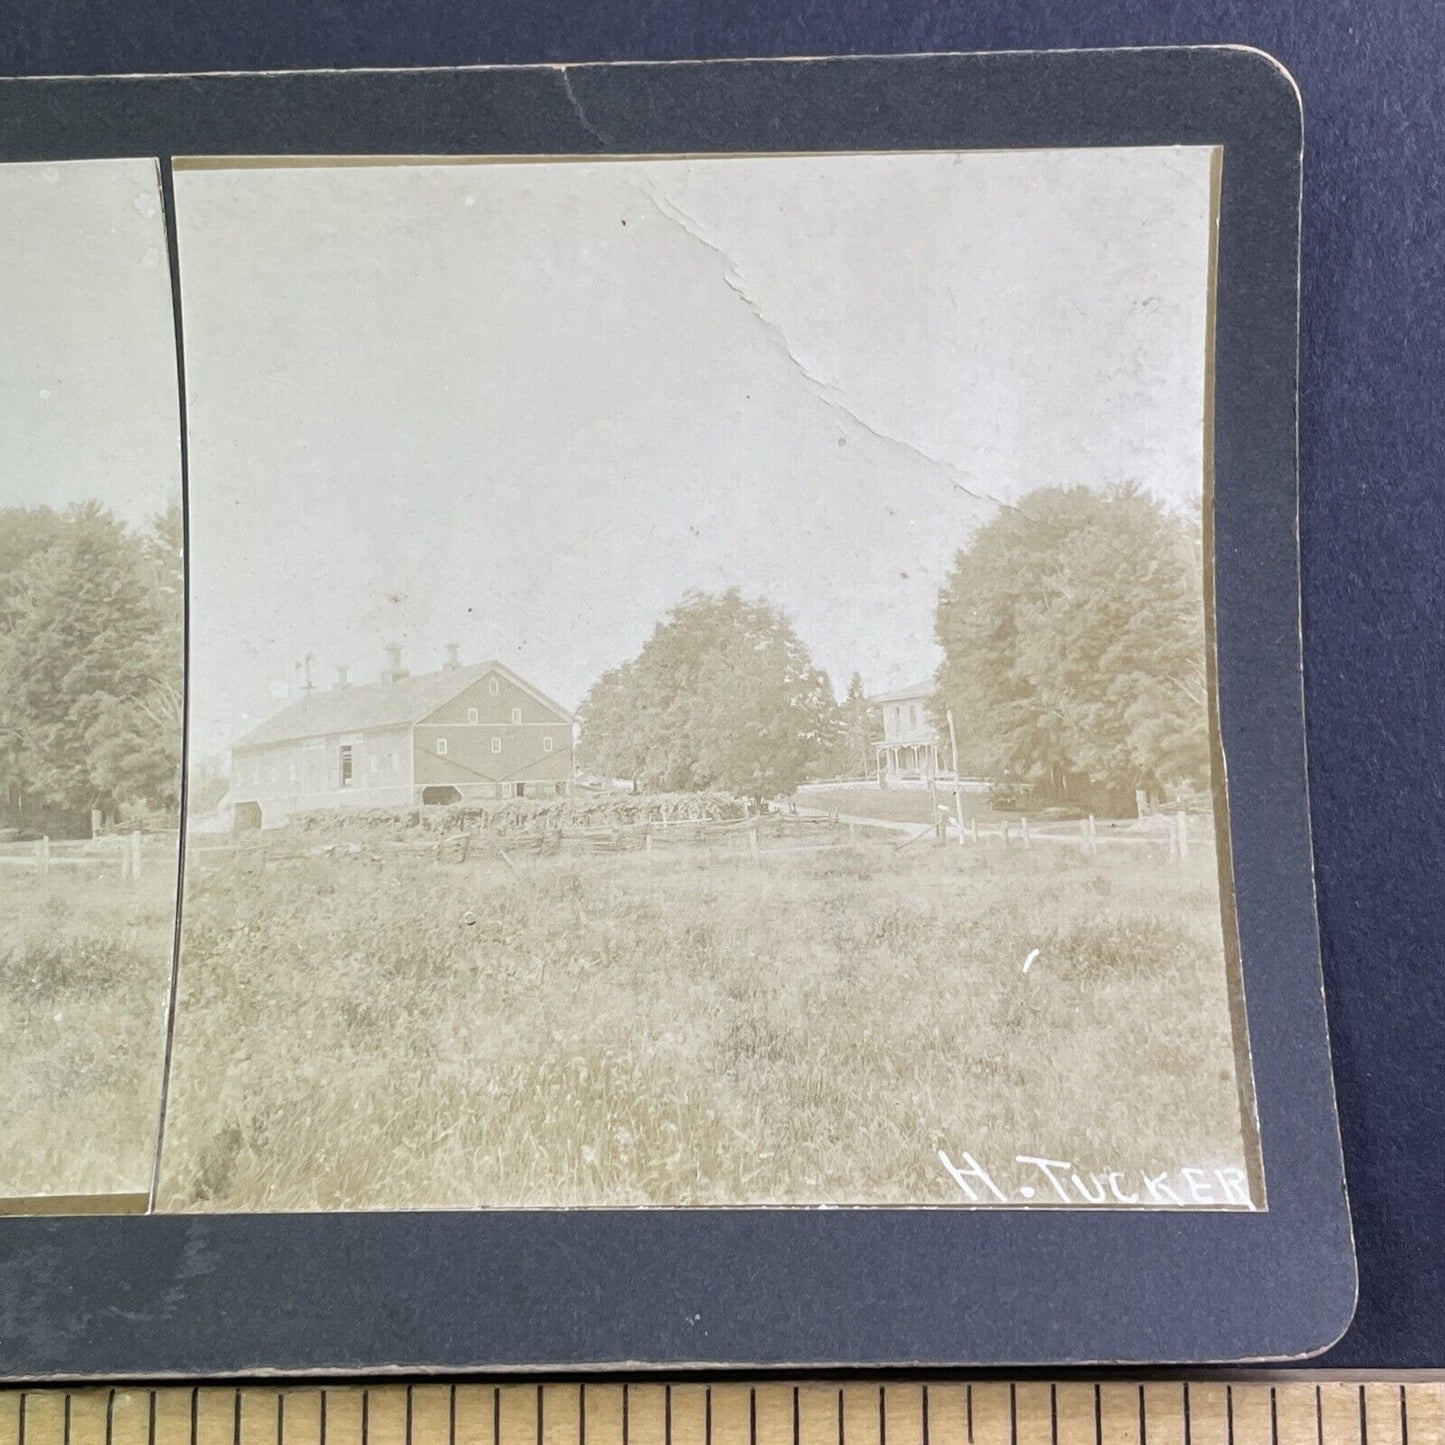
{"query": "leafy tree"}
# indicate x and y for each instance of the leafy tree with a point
(91, 658)
(723, 695)
(1074, 642)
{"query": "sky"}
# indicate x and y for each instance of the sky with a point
(89, 408)
(526, 406)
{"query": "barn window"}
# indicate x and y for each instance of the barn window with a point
(496, 745)
(547, 743)
(516, 714)
(494, 687)
(471, 714)
(346, 765)
(441, 747)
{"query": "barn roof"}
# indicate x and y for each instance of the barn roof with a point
(904, 694)
(367, 706)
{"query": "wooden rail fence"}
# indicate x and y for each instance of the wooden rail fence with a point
(130, 855)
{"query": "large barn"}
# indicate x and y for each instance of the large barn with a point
(459, 735)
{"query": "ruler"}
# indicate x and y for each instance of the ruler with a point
(1293, 1411)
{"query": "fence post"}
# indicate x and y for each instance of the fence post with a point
(1093, 836)
(1024, 824)
(1183, 826)
(135, 856)
(853, 833)
(44, 854)
(1004, 832)
(753, 842)
(647, 845)
(973, 829)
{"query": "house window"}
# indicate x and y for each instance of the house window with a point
(547, 743)
(516, 714)
(494, 687)
(441, 747)
(346, 765)
(496, 745)
(913, 714)
(471, 714)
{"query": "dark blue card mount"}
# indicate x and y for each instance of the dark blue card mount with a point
(559, 1290)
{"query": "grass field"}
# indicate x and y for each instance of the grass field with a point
(586, 1030)
(85, 963)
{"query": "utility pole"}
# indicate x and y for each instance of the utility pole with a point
(957, 784)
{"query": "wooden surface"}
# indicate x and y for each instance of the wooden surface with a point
(1282, 1412)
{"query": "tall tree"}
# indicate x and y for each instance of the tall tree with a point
(857, 729)
(90, 663)
(1074, 641)
(723, 695)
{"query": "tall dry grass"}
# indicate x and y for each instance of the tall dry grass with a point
(85, 963)
(589, 1031)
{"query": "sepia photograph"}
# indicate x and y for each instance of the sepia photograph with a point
(700, 687)
(91, 678)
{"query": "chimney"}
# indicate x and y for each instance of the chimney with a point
(453, 660)
(340, 678)
(395, 670)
